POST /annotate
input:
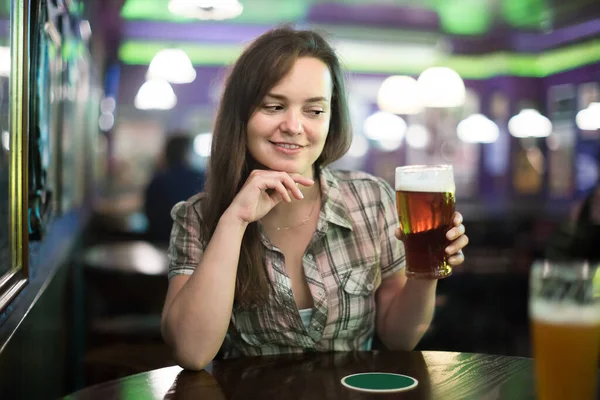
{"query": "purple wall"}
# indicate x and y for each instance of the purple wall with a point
(195, 93)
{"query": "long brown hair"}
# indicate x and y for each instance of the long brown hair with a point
(260, 67)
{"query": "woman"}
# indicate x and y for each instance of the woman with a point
(280, 254)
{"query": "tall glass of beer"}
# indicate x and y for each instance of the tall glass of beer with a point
(425, 202)
(564, 310)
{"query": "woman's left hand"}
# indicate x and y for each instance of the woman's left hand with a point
(459, 240)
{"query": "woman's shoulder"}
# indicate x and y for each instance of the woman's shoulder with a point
(360, 179)
(355, 177)
(191, 208)
(362, 186)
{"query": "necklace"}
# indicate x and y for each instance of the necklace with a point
(303, 222)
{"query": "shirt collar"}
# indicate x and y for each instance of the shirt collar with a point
(334, 206)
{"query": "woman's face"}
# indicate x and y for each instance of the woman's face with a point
(288, 129)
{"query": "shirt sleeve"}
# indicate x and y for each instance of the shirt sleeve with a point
(185, 248)
(392, 257)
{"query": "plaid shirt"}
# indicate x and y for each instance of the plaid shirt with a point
(351, 251)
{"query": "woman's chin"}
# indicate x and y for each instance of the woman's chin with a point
(284, 167)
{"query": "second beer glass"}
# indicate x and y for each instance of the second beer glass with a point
(425, 202)
(564, 309)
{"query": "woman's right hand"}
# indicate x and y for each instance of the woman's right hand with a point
(263, 190)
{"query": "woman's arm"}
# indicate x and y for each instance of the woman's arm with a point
(405, 306)
(198, 307)
(404, 310)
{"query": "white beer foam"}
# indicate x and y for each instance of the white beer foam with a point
(425, 178)
(566, 313)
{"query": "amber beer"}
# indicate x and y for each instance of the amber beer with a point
(425, 202)
(564, 309)
(565, 344)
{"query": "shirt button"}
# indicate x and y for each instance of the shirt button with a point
(310, 257)
(319, 328)
(370, 286)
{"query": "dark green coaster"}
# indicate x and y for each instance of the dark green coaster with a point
(379, 382)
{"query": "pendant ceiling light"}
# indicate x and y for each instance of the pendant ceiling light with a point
(206, 9)
(529, 123)
(441, 87)
(418, 136)
(359, 147)
(155, 95)
(171, 65)
(399, 94)
(386, 129)
(4, 61)
(477, 128)
(203, 144)
(588, 119)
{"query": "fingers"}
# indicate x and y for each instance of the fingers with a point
(281, 190)
(269, 179)
(457, 259)
(304, 181)
(290, 184)
(455, 232)
(457, 218)
(457, 245)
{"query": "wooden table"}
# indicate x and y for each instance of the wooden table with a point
(441, 375)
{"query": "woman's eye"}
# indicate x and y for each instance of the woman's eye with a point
(316, 113)
(273, 107)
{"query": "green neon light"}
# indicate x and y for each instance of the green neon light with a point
(255, 12)
(469, 67)
(460, 17)
(134, 52)
(74, 7)
(526, 13)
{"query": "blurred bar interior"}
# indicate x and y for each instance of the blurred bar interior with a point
(507, 91)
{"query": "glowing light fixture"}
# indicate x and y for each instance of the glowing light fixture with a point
(529, 123)
(359, 146)
(155, 95)
(399, 94)
(384, 126)
(202, 144)
(6, 140)
(441, 87)
(172, 65)
(386, 129)
(477, 128)
(108, 104)
(389, 145)
(206, 9)
(85, 29)
(106, 121)
(588, 119)
(4, 61)
(417, 136)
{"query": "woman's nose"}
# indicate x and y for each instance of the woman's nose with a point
(291, 124)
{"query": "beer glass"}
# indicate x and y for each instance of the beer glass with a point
(564, 310)
(425, 202)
